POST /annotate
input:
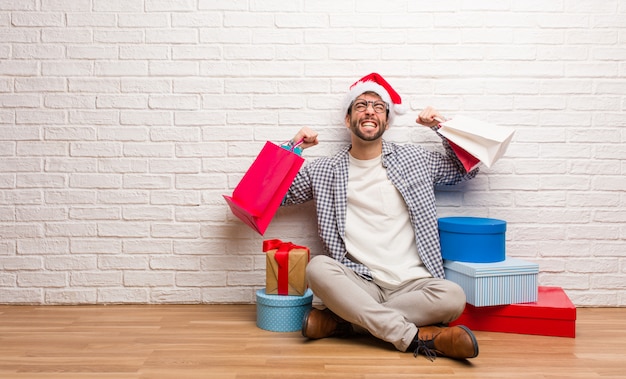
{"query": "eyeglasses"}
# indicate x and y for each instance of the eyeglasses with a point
(378, 106)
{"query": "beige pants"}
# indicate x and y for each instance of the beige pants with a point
(391, 315)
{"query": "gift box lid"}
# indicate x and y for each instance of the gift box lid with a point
(552, 303)
(472, 225)
(510, 266)
(283, 300)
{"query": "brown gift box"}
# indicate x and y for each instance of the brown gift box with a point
(285, 272)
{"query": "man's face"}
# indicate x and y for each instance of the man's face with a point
(368, 125)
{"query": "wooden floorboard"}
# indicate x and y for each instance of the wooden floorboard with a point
(222, 341)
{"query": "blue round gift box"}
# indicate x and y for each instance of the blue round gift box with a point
(472, 239)
(281, 313)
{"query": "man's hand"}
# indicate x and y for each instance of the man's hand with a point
(308, 137)
(430, 117)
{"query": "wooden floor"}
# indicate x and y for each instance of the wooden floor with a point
(222, 341)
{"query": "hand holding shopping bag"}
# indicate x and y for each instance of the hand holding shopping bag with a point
(476, 141)
(258, 195)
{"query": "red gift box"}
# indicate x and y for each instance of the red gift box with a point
(553, 314)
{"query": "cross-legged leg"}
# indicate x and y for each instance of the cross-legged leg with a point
(358, 301)
(428, 301)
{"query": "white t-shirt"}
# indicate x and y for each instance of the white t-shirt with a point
(378, 229)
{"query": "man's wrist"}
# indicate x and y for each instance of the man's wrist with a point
(290, 146)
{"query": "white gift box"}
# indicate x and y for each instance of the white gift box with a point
(511, 281)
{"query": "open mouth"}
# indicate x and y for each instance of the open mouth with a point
(369, 125)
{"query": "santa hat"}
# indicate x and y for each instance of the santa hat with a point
(375, 83)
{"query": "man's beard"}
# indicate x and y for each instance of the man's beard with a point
(354, 127)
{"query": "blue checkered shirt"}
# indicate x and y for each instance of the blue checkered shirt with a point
(413, 170)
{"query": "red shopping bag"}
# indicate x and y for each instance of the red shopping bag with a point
(469, 161)
(258, 195)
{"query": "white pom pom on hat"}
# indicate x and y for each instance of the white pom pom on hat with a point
(375, 83)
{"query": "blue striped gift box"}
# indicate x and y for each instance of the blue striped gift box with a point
(511, 281)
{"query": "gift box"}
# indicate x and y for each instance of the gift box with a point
(285, 268)
(279, 313)
(508, 282)
(553, 314)
(472, 239)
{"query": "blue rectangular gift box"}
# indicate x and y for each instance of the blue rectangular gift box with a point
(485, 284)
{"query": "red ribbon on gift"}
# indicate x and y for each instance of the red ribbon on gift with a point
(282, 258)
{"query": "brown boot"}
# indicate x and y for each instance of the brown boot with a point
(324, 323)
(454, 342)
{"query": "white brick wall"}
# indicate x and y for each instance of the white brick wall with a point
(122, 122)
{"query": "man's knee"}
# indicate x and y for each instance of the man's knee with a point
(456, 300)
(318, 265)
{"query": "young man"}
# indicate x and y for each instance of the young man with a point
(382, 269)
